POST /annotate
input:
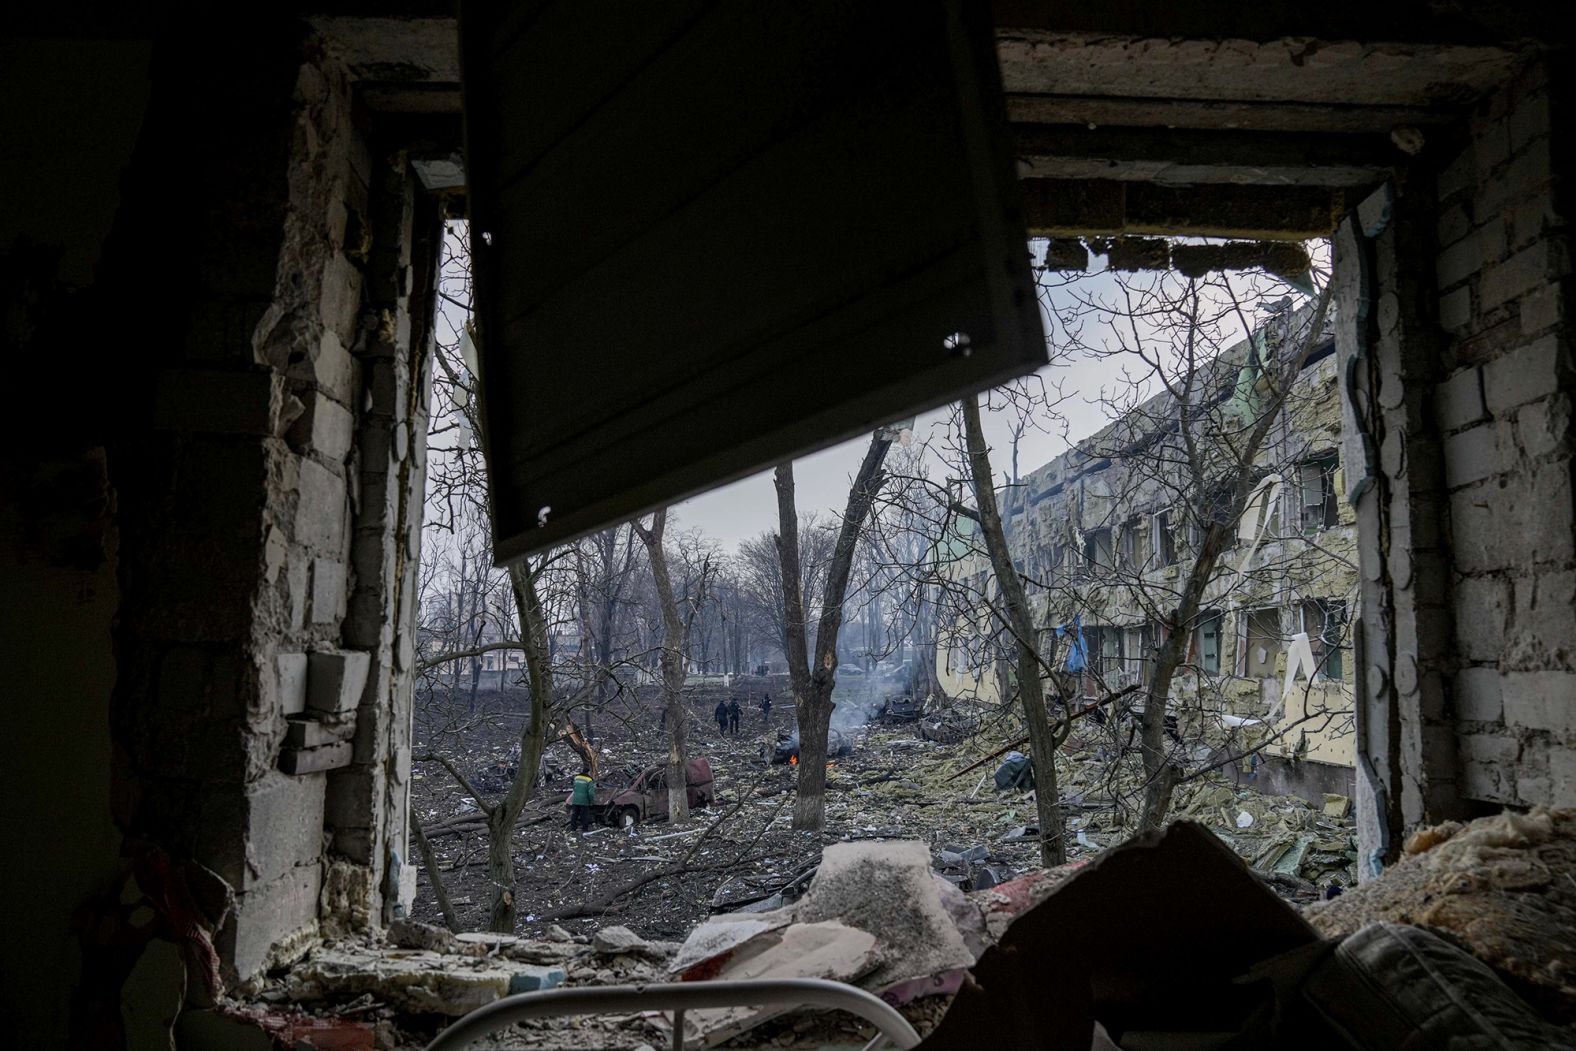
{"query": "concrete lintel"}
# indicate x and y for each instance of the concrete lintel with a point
(1076, 207)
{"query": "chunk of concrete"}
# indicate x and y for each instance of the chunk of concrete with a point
(886, 889)
(423, 982)
(804, 950)
(612, 941)
(335, 679)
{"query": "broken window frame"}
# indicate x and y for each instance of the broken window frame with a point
(1246, 619)
(1093, 548)
(1211, 623)
(1316, 491)
(1324, 621)
(1163, 538)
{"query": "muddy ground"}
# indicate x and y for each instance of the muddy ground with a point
(895, 785)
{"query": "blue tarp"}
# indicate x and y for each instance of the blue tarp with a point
(1077, 650)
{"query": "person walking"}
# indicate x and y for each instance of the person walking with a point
(766, 708)
(581, 800)
(734, 711)
(721, 715)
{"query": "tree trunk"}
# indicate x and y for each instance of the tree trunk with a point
(812, 688)
(1020, 620)
(429, 859)
(672, 662)
(500, 871)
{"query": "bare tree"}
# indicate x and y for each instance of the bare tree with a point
(812, 686)
(678, 620)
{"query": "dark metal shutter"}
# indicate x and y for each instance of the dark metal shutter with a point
(711, 236)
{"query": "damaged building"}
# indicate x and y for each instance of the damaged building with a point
(217, 252)
(1106, 533)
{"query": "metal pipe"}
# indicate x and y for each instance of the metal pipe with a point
(680, 997)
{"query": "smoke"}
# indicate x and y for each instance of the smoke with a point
(862, 697)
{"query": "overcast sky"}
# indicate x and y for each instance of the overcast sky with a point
(748, 508)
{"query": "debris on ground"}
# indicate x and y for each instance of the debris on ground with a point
(1500, 887)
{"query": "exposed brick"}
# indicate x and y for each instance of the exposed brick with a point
(1459, 262)
(1543, 428)
(290, 682)
(1454, 224)
(1542, 309)
(1542, 627)
(1482, 607)
(1471, 456)
(1489, 748)
(322, 509)
(1521, 273)
(1526, 373)
(325, 427)
(335, 679)
(1459, 400)
(1540, 700)
(328, 590)
(1478, 695)
(1458, 175)
(267, 915)
(1455, 309)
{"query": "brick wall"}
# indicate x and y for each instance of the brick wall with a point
(270, 506)
(1503, 410)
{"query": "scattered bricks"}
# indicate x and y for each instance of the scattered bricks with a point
(1455, 309)
(1478, 695)
(1459, 400)
(1066, 253)
(328, 591)
(1521, 273)
(290, 682)
(1540, 700)
(298, 761)
(1523, 375)
(218, 401)
(1471, 456)
(322, 510)
(313, 733)
(335, 679)
(1482, 606)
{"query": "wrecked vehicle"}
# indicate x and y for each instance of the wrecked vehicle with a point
(904, 709)
(786, 750)
(646, 797)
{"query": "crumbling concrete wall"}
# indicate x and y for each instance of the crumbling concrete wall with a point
(1503, 408)
(1457, 366)
(251, 697)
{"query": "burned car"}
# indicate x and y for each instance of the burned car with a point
(646, 796)
(786, 750)
(903, 709)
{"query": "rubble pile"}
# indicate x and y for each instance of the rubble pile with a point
(1500, 887)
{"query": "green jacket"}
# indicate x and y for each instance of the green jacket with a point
(585, 791)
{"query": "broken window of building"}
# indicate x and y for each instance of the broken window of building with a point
(1097, 549)
(1163, 538)
(1262, 642)
(1137, 647)
(1324, 621)
(1135, 544)
(1206, 643)
(1316, 486)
